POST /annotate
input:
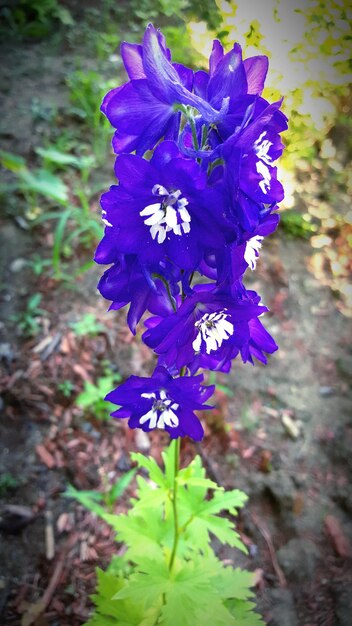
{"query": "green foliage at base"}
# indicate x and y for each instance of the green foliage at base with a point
(91, 399)
(146, 587)
(297, 225)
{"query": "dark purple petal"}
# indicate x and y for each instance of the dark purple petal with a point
(201, 80)
(229, 78)
(185, 74)
(217, 54)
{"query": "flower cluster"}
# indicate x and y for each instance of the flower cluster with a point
(197, 193)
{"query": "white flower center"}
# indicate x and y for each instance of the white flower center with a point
(104, 220)
(252, 251)
(265, 172)
(169, 214)
(261, 148)
(162, 412)
(213, 329)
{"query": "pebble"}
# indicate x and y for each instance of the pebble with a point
(282, 489)
(142, 440)
(283, 609)
(18, 265)
(298, 559)
(326, 391)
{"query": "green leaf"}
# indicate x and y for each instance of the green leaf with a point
(169, 462)
(46, 184)
(199, 517)
(223, 529)
(234, 583)
(12, 162)
(111, 611)
(214, 613)
(120, 486)
(149, 583)
(89, 499)
(58, 237)
(62, 158)
(197, 482)
(143, 534)
(226, 390)
(224, 501)
(64, 15)
(243, 612)
(153, 469)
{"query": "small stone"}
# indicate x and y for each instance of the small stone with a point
(18, 265)
(292, 427)
(283, 609)
(298, 559)
(124, 463)
(142, 440)
(326, 391)
(282, 489)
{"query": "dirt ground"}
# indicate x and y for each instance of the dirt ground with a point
(284, 436)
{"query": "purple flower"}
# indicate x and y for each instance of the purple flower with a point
(233, 260)
(143, 110)
(164, 209)
(209, 329)
(250, 175)
(233, 87)
(229, 76)
(163, 402)
(128, 281)
(202, 201)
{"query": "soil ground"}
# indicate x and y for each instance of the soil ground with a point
(284, 435)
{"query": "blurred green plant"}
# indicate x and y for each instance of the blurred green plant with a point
(296, 224)
(34, 18)
(87, 228)
(87, 325)
(212, 380)
(66, 387)
(42, 111)
(31, 183)
(28, 320)
(38, 264)
(87, 89)
(170, 10)
(91, 399)
(95, 501)
(8, 483)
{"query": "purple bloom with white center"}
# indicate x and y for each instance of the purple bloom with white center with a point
(208, 324)
(163, 402)
(200, 203)
(164, 209)
(232, 262)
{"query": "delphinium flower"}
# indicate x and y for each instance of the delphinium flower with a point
(163, 402)
(186, 219)
(209, 329)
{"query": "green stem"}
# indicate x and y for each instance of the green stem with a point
(167, 287)
(194, 132)
(176, 446)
